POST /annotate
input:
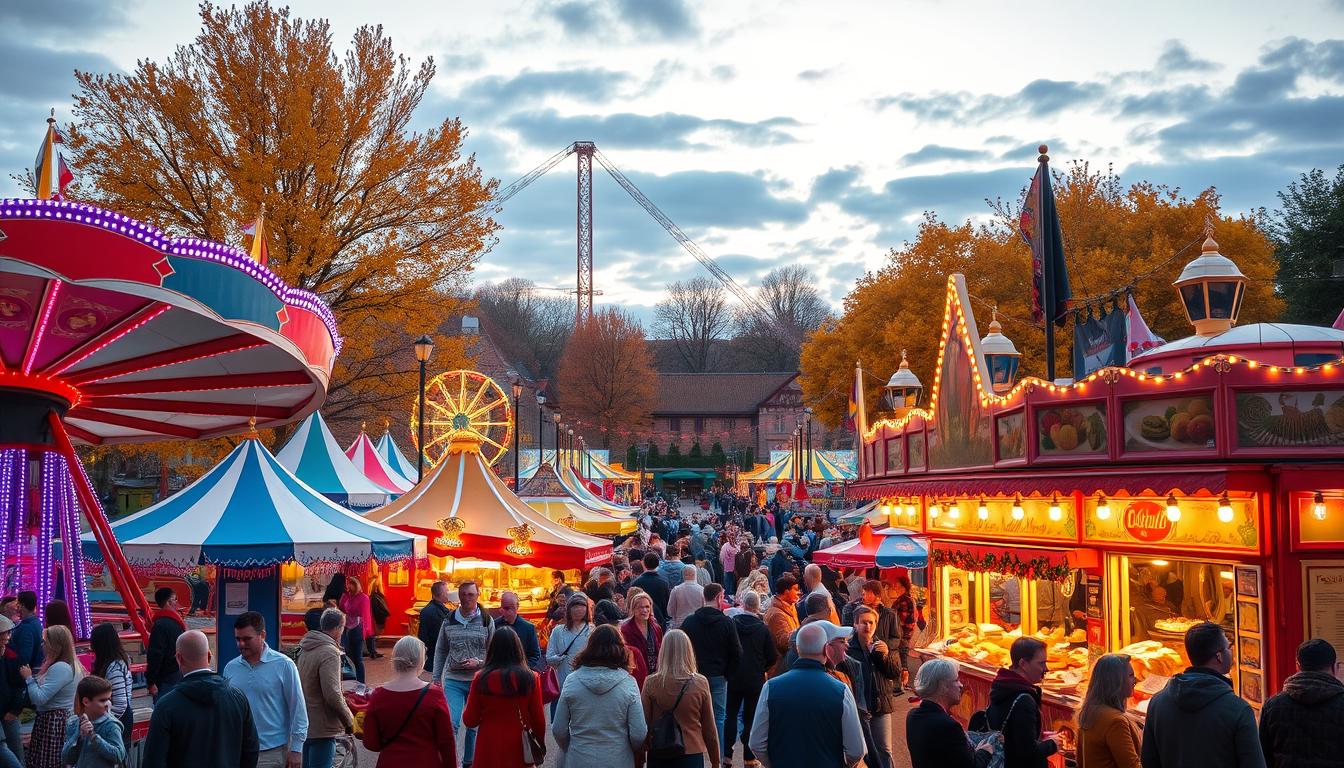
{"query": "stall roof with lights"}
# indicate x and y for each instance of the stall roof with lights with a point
(822, 470)
(545, 493)
(466, 511)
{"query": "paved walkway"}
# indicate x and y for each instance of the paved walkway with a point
(379, 670)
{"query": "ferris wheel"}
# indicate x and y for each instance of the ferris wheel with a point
(459, 402)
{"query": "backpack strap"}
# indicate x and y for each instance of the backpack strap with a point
(1005, 717)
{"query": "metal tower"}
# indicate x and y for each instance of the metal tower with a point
(584, 284)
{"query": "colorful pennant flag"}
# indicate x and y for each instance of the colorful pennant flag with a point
(49, 169)
(256, 229)
(1039, 227)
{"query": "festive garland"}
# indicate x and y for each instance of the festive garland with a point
(1009, 563)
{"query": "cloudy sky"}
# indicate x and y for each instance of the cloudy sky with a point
(781, 131)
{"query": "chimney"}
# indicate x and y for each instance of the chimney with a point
(471, 326)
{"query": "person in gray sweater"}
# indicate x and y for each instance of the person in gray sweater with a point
(459, 652)
(599, 719)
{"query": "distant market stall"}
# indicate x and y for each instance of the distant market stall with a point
(369, 461)
(545, 493)
(314, 457)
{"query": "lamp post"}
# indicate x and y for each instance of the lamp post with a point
(807, 459)
(517, 387)
(555, 416)
(541, 423)
(424, 347)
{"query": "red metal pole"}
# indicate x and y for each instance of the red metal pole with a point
(136, 604)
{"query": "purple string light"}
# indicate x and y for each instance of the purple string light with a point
(71, 548)
(15, 522)
(10, 459)
(205, 250)
(47, 526)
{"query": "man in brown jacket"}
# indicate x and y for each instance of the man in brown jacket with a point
(782, 617)
(320, 675)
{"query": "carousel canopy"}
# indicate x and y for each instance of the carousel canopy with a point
(396, 459)
(545, 493)
(823, 470)
(314, 457)
(466, 510)
(366, 458)
(250, 511)
(888, 548)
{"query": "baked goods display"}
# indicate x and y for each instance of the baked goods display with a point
(1149, 657)
(987, 645)
(1176, 625)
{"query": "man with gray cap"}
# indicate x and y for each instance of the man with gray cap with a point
(805, 717)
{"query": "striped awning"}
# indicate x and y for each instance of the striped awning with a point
(888, 548)
(314, 457)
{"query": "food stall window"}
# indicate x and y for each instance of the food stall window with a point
(1005, 600)
(963, 597)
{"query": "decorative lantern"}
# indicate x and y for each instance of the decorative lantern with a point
(1001, 356)
(903, 388)
(1211, 289)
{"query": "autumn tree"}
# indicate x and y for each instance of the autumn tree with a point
(260, 109)
(694, 316)
(790, 294)
(1308, 232)
(607, 381)
(1115, 236)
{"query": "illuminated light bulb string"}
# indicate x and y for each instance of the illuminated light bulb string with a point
(1222, 363)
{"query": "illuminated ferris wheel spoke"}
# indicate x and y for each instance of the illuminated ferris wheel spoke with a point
(488, 408)
(492, 423)
(492, 442)
(475, 400)
(448, 412)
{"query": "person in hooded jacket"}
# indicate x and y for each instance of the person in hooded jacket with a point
(161, 672)
(1015, 707)
(1302, 726)
(599, 720)
(202, 722)
(1198, 721)
(744, 687)
(320, 676)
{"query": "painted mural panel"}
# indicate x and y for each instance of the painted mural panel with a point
(961, 435)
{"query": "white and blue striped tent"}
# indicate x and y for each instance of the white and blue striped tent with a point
(314, 457)
(396, 459)
(249, 511)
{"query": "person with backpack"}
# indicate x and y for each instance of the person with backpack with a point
(679, 710)
(1014, 709)
(464, 638)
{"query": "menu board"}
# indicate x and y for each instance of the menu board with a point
(1325, 603)
(1071, 431)
(1169, 424)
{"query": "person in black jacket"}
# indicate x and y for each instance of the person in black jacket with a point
(744, 687)
(202, 722)
(655, 585)
(935, 739)
(1015, 707)
(880, 666)
(717, 650)
(161, 672)
(431, 620)
(1303, 725)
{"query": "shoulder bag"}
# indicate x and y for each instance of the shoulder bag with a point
(665, 736)
(550, 682)
(534, 747)
(991, 740)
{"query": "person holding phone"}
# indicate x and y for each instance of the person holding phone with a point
(93, 735)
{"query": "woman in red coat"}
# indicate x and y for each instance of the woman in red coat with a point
(504, 696)
(643, 637)
(407, 722)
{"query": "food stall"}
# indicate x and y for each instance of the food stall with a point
(544, 492)
(1201, 483)
(478, 529)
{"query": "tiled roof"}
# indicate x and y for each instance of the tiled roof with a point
(716, 393)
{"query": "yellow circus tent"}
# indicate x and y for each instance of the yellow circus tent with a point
(545, 493)
(822, 470)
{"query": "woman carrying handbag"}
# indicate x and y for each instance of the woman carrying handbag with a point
(407, 721)
(505, 705)
(567, 641)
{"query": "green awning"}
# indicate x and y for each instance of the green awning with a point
(689, 474)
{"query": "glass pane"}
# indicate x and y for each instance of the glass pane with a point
(1193, 297)
(1005, 600)
(1168, 597)
(960, 599)
(1220, 299)
(1062, 605)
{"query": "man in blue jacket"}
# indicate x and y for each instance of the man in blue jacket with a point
(27, 638)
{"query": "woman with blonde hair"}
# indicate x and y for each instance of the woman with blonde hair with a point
(1107, 738)
(52, 692)
(643, 636)
(407, 722)
(677, 688)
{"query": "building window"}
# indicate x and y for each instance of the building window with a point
(674, 424)
(699, 425)
(778, 427)
(728, 425)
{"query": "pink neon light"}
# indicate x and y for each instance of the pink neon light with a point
(153, 313)
(36, 340)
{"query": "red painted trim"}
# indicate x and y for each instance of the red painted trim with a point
(134, 422)
(86, 436)
(121, 572)
(201, 383)
(41, 383)
(109, 335)
(221, 346)
(112, 402)
(40, 325)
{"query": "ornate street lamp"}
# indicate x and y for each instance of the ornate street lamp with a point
(541, 423)
(1211, 289)
(807, 459)
(903, 388)
(516, 384)
(555, 416)
(424, 347)
(1001, 356)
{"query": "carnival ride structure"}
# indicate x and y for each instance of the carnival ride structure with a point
(111, 331)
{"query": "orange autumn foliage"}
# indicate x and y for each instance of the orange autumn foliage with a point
(383, 222)
(1113, 236)
(606, 379)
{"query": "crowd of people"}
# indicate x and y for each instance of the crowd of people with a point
(708, 633)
